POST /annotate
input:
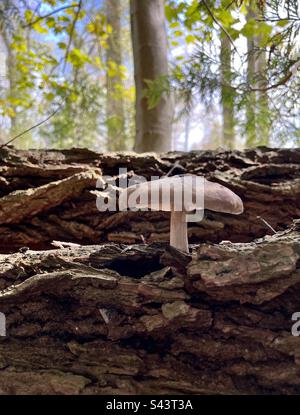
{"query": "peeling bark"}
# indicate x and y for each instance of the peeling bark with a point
(146, 319)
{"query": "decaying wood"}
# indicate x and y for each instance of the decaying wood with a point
(149, 319)
(50, 195)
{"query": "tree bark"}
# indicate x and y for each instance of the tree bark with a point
(149, 40)
(140, 319)
(48, 195)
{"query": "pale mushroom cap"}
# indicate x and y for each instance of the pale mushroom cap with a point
(221, 199)
(216, 197)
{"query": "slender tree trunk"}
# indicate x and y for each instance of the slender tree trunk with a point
(227, 95)
(115, 105)
(3, 76)
(149, 39)
(251, 103)
(11, 77)
(187, 130)
(258, 116)
(263, 118)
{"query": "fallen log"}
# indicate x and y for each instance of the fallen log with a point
(140, 319)
(51, 208)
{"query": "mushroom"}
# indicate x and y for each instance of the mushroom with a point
(180, 195)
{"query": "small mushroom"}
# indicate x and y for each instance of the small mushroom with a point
(206, 195)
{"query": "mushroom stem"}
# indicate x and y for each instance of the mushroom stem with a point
(178, 231)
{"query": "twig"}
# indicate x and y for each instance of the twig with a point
(49, 14)
(266, 223)
(176, 164)
(104, 315)
(281, 82)
(33, 127)
(61, 244)
(220, 26)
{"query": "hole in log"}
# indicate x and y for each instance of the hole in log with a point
(136, 268)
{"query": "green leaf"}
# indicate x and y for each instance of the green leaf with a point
(174, 25)
(78, 58)
(155, 89)
(178, 33)
(282, 23)
(62, 45)
(248, 29)
(190, 39)
(49, 96)
(28, 15)
(171, 13)
(39, 28)
(50, 22)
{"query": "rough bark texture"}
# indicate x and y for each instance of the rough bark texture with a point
(150, 52)
(148, 319)
(50, 195)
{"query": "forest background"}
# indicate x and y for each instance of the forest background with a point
(149, 75)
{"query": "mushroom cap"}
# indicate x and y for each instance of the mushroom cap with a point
(194, 192)
(163, 194)
(221, 199)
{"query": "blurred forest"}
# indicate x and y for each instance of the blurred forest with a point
(149, 75)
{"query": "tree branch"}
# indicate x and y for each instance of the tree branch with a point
(219, 24)
(50, 14)
(34, 126)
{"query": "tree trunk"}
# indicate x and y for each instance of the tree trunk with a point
(11, 77)
(18, 119)
(149, 40)
(3, 85)
(115, 104)
(227, 93)
(56, 195)
(251, 73)
(257, 113)
(263, 118)
(144, 319)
